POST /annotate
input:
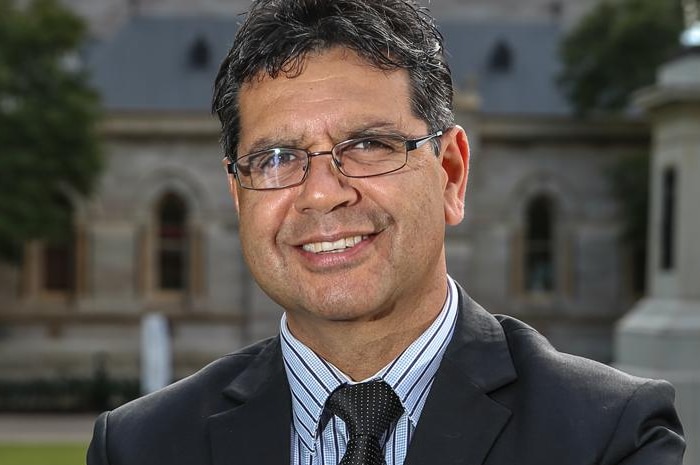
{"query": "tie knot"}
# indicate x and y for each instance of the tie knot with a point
(366, 408)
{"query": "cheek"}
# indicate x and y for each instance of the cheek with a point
(262, 217)
(258, 227)
(257, 233)
(427, 208)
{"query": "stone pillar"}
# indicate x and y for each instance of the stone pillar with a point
(660, 337)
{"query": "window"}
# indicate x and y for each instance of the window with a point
(668, 218)
(172, 250)
(58, 257)
(58, 263)
(501, 59)
(199, 56)
(539, 245)
(556, 9)
(53, 268)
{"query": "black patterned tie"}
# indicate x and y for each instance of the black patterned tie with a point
(367, 410)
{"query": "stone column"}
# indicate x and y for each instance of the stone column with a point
(660, 337)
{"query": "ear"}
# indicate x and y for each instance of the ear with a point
(232, 184)
(455, 162)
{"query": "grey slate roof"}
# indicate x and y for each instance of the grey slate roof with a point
(146, 66)
(529, 86)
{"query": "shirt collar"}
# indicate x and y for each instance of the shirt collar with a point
(312, 379)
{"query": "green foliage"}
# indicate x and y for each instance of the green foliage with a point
(48, 142)
(616, 49)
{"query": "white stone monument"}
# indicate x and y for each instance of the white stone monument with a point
(691, 36)
(156, 353)
(660, 337)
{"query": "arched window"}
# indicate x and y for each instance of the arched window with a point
(59, 266)
(58, 256)
(172, 240)
(539, 245)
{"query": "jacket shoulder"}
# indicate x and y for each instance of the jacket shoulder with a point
(137, 432)
(203, 385)
(537, 362)
(586, 406)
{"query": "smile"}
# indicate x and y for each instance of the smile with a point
(333, 247)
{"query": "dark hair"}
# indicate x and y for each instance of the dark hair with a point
(277, 35)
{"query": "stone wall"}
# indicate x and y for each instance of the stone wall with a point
(514, 160)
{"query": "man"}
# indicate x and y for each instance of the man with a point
(345, 168)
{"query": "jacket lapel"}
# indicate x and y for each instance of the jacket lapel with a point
(460, 422)
(257, 430)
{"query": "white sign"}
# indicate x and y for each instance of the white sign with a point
(156, 354)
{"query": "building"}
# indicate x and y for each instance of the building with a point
(540, 242)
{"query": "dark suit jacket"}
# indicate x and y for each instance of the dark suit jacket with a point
(502, 396)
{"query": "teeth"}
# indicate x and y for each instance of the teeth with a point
(333, 247)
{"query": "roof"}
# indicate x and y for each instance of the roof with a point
(514, 65)
(169, 63)
(152, 63)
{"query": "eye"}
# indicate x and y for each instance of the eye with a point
(375, 144)
(272, 160)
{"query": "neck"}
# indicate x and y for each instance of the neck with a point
(360, 349)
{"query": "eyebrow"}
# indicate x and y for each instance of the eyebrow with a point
(270, 142)
(369, 128)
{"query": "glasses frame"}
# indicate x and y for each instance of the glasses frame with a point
(409, 144)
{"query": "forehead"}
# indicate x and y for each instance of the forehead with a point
(335, 92)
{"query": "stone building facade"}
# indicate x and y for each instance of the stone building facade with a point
(540, 241)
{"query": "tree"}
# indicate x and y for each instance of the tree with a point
(49, 149)
(616, 50)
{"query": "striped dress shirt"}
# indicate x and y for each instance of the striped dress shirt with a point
(318, 438)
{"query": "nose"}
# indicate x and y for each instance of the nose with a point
(325, 188)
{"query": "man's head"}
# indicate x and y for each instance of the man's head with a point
(338, 239)
(278, 35)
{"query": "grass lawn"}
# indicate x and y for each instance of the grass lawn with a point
(42, 454)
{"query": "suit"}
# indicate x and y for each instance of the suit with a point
(502, 396)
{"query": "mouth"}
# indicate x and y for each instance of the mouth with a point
(338, 246)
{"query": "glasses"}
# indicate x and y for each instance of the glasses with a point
(278, 168)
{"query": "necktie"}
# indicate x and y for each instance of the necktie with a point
(367, 410)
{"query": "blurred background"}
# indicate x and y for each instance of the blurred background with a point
(114, 205)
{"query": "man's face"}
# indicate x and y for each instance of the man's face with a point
(387, 231)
